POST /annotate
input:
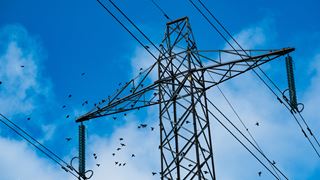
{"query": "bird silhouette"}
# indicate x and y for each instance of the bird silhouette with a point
(116, 162)
(68, 138)
(22, 66)
(70, 95)
(67, 116)
(154, 173)
(152, 128)
(124, 164)
(122, 144)
(64, 106)
(273, 162)
(187, 122)
(82, 74)
(0, 82)
(28, 118)
(98, 165)
(259, 173)
(121, 139)
(118, 149)
(132, 155)
(257, 124)
(113, 154)
(205, 172)
(143, 125)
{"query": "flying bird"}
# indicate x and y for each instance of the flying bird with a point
(133, 155)
(143, 125)
(67, 116)
(22, 66)
(122, 144)
(82, 74)
(116, 162)
(28, 118)
(257, 124)
(154, 173)
(259, 173)
(113, 154)
(64, 106)
(152, 128)
(68, 138)
(118, 149)
(70, 95)
(98, 165)
(121, 139)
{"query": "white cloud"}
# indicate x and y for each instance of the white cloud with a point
(23, 89)
(19, 162)
(22, 83)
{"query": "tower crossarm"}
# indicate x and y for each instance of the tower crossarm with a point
(134, 97)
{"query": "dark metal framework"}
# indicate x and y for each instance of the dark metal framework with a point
(180, 92)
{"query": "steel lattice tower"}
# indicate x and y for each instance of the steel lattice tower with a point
(180, 92)
(186, 147)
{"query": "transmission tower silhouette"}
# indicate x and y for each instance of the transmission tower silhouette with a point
(180, 93)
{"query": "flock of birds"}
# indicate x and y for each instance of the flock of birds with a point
(122, 145)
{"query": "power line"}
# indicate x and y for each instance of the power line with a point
(161, 10)
(244, 137)
(264, 82)
(26, 137)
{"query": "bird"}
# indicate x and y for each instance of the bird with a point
(67, 116)
(154, 173)
(22, 66)
(68, 138)
(257, 124)
(205, 172)
(98, 165)
(82, 74)
(121, 139)
(273, 162)
(124, 164)
(132, 155)
(0, 82)
(187, 122)
(116, 162)
(152, 128)
(259, 173)
(95, 155)
(190, 165)
(125, 114)
(122, 144)
(113, 154)
(114, 118)
(147, 47)
(85, 102)
(120, 164)
(143, 125)
(118, 149)
(64, 106)
(28, 118)
(141, 69)
(70, 95)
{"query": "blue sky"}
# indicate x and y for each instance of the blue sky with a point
(59, 40)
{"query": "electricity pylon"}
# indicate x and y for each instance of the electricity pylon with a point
(180, 92)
